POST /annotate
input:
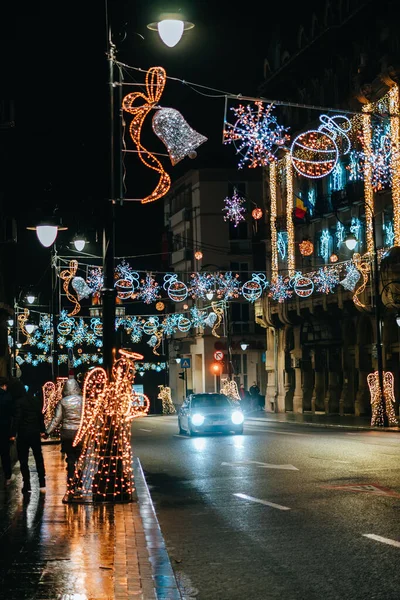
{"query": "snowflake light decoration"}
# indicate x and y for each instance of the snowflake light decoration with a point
(326, 279)
(234, 208)
(256, 135)
(280, 289)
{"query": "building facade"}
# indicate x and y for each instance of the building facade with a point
(194, 223)
(321, 315)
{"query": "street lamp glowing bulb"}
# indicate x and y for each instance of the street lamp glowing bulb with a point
(398, 320)
(170, 31)
(79, 244)
(30, 298)
(46, 234)
(29, 328)
(210, 295)
(351, 241)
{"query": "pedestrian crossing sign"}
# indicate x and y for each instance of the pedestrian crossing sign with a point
(185, 363)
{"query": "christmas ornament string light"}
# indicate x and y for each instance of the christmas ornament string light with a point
(155, 83)
(289, 215)
(394, 109)
(164, 395)
(273, 216)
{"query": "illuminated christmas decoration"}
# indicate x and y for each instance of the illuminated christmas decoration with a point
(177, 135)
(149, 290)
(252, 290)
(377, 407)
(352, 277)
(127, 281)
(389, 234)
(104, 469)
(257, 213)
(81, 287)
(282, 244)
(176, 290)
(355, 166)
(95, 280)
(394, 109)
(234, 208)
(363, 268)
(333, 258)
(311, 199)
(338, 177)
(183, 323)
(228, 286)
(280, 289)
(151, 326)
(52, 394)
(368, 189)
(302, 285)
(339, 234)
(219, 312)
(326, 279)
(201, 284)
(314, 153)
(155, 83)
(164, 395)
(230, 389)
(256, 135)
(198, 255)
(325, 243)
(67, 275)
(306, 248)
(272, 220)
(356, 228)
(22, 319)
(289, 215)
(160, 306)
(155, 341)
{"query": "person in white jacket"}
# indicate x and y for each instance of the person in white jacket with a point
(67, 416)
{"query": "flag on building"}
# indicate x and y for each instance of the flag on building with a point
(301, 209)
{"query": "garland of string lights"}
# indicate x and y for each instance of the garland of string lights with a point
(394, 107)
(289, 219)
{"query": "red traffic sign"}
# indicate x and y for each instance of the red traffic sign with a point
(218, 355)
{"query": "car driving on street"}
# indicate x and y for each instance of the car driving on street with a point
(208, 413)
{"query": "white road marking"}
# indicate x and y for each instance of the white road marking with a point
(246, 497)
(261, 465)
(149, 430)
(257, 428)
(182, 436)
(384, 540)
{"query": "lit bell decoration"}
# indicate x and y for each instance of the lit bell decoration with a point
(306, 248)
(177, 135)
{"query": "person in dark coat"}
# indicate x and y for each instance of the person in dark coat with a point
(254, 396)
(6, 423)
(29, 428)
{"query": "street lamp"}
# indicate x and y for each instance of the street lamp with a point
(47, 232)
(398, 320)
(79, 242)
(244, 346)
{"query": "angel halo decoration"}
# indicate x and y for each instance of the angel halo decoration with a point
(104, 468)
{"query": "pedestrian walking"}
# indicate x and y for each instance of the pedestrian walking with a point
(254, 392)
(244, 398)
(29, 428)
(6, 435)
(67, 416)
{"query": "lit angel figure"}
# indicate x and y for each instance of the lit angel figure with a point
(229, 388)
(164, 395)
(104, 469)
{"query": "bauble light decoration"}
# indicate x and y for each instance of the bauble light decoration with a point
(306, 248)
(333, 258)
(160, 306)
(314, 153)
(198, 255)
(256, 213)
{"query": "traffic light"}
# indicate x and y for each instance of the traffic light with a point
(216, 368)
(182, 375)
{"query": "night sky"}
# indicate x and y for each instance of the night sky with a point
(58, 150)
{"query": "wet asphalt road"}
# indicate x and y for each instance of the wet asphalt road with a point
(283, 512)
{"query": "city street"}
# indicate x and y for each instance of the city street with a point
(284, 511)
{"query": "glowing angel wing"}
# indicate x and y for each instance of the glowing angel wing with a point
(140, 406)
(94, 393)
(49, 392)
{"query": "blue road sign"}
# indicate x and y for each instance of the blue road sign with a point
(185, 363)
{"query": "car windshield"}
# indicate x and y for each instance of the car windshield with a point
(204, 400)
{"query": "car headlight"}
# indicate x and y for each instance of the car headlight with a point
(197, 420)
(237, 417)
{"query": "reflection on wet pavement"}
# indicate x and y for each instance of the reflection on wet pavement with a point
(55, 551)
